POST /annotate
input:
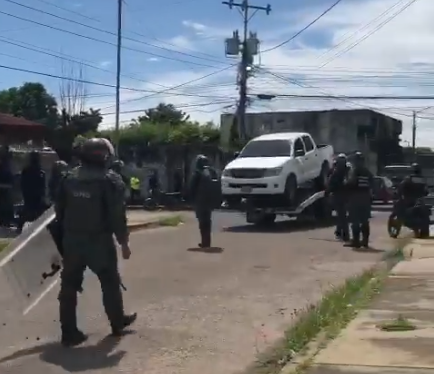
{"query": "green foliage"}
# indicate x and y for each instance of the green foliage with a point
(165, 113)
(165, 124)
(33, 102)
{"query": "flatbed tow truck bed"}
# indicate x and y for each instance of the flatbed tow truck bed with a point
(310, 203)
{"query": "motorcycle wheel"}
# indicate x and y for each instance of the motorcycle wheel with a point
(394, 226)
(150, 204)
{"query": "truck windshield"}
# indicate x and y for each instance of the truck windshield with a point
(267, 148)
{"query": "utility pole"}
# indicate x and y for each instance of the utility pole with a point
(118, 76)
(249, 47)
(413, 134)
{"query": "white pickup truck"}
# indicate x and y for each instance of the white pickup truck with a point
(276, 164)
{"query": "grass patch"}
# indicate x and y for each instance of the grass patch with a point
(322, 322)
(171, 221)
(400, 323)
(3, 244)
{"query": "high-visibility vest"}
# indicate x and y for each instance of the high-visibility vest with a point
(135, 183)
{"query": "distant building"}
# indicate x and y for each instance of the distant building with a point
(373, 133)
(19, 131)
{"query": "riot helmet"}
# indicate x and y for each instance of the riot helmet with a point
(96, 151)
(359, 159)
(201, 162)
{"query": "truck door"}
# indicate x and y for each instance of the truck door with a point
(311, 159)
(300, 160)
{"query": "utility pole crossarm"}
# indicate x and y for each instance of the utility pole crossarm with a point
(247, 53)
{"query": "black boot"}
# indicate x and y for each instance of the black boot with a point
(128, 320)
(73, 338)
(365, 235)
(355, 241)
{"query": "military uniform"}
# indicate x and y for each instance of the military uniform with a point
(205, 197)
(90, 207)
(336, 186)
(359, 184)
(411, 189)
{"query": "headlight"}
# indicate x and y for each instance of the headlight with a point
(272, 172)
(226, 173)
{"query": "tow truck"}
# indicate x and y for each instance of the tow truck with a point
(311, 203)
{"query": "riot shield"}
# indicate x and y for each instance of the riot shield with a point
(30, 262)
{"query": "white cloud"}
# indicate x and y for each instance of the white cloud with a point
(388, 62)
(105, 64)
(153, 59)
(182, 43)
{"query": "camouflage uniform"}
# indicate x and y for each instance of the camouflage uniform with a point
(90, 208)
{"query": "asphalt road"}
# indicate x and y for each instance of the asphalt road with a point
(198, 312)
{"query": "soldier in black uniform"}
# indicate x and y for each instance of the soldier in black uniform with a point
(359, 184)
(411, 189)
(90, 208)
(337, 187)
(205, 192)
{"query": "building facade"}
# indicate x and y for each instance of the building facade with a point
(373, 133)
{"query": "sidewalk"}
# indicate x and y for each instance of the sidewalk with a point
(363, 347)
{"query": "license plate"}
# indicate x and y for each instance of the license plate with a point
(246, 189)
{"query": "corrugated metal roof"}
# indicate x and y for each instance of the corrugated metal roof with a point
(9, 120)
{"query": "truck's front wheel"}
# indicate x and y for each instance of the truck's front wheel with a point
(291, 189)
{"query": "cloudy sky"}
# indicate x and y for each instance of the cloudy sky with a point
(174, 52)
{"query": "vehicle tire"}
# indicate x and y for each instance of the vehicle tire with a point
(267, 220)
(321, 180)
(291, 189)
(394, 226)
(150, 204)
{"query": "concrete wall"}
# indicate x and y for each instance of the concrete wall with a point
(346, 130)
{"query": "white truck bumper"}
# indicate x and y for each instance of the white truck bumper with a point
(245, 187)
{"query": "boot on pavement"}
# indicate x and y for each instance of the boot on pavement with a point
(73, 338)
(128, 320)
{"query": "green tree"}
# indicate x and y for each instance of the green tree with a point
(165, 113)
(31, 101)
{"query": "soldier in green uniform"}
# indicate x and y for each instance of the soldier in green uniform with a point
(90, 207)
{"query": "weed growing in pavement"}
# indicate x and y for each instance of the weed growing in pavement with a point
(321, 322)
(400, 323)
(171, 221)
(3, 244)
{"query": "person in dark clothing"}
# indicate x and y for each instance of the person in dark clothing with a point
(410, 191)
(359, 184)
(337, 187)
(117, 167)
(33, 189)
(90, 207)
(58, 170)
(205, 194)
(154, 184)
(6, 191)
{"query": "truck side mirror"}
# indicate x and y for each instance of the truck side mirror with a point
(299, 153)
(236, 154)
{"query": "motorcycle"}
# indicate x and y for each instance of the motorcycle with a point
(167, 200)
(416, 218)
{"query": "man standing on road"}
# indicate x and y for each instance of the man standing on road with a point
(90, 207)
(205, 193)
(33, 189)
(337, 187)
(360, 182)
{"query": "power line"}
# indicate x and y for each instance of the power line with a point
(175, 87)
(101, 41)
(109, 32)
(68, 10)
(379, 27)
(304, 28)
(348, 36)
(153, 93)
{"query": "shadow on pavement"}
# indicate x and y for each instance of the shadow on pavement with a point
(280, 227)
(368, 250)
(94, 357)
(212, 250)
